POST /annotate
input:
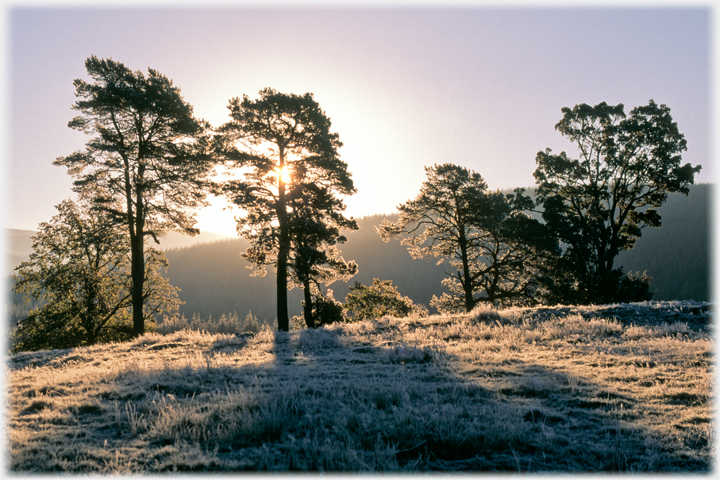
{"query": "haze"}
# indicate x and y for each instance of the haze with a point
(404, 87)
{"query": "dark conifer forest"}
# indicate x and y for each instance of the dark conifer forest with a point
(214, 279)
(678, 254)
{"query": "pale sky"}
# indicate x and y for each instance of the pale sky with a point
(405, 87)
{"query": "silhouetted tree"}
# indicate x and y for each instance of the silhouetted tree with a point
(378, 300)
(146, 155)
(80, 272)
(599, 203)
(509, 254)
(315, 224)
(274, 142)
(442, 215)
(484, 236)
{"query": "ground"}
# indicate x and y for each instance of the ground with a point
(565, 389)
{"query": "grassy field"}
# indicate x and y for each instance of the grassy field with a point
(578, 389)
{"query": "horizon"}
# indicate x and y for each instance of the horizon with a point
(364, 216)
(233, 234)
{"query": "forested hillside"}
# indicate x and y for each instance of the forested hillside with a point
(19, 244)
(214, 280)
(677, 255)
(18, 248)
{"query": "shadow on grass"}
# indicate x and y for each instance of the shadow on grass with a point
(414, 403)
(326, 400)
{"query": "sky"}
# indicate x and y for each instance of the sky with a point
(405, 87)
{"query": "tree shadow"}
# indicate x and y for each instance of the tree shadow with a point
(441, 418)
(367, 397)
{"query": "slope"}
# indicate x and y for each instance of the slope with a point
(570, 390)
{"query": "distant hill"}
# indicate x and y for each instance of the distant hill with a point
(677, 255)
(19, 247)
(19, 244)
(214, 279)
(178, 240)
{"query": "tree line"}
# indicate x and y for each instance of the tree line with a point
(149, 165)
(214, 279)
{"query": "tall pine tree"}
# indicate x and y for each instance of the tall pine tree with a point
(275, 144)
(147, 154)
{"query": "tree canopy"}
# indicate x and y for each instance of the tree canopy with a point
(291, 179)
(315, 258)
(147, 156)
(508, 255)
(598, 204)
(486, 239)
(79, 271)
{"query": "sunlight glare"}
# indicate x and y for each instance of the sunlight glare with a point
(283, 174)
(218, 217)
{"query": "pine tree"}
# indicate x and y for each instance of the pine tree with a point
(485, 237)
(147, 156)
(279, 145)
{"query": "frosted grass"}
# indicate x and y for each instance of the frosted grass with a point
(620, 388)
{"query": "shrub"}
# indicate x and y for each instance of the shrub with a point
(376, 301)
(327, 311)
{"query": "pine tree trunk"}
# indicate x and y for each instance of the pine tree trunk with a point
(307, 309)
(282, 310)
(137, 273)
(466, 283)
(283, 252)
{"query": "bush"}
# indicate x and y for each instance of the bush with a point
(378, 300)
(634, 287)
(327, 311)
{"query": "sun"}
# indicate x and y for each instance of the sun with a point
(283, 173)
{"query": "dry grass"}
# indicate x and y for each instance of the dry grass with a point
(622, 388)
